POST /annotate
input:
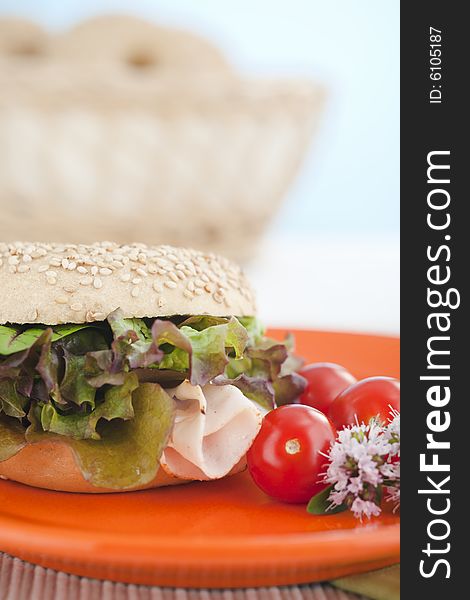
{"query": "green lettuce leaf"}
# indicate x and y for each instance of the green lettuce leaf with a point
(64, 376)
(74, 387)
(122, 327)
(14, 339)
(12, 403)
(209, 349)
(12, 437)
(254, 328)
(117, 404)
(128, 453)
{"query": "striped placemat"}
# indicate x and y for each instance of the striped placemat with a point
(23, 581)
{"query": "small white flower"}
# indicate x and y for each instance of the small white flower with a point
(363, 459)
(364, 508)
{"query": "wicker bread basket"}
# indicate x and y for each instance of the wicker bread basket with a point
(122, 130)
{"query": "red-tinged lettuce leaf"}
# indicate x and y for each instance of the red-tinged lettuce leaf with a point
(258, 389)
(37, 360)
(288, 388)
(100, 369)
(269, 361)
(128, 453)
(12, 403)
(209, 355)
(272, 363)
(12, 437)
(134, 353)
(133, 345)
(10, 367)
(117, 404)
(48, 365)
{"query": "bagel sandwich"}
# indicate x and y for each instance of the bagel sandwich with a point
(125, 367)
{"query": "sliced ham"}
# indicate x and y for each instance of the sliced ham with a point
(214, 428)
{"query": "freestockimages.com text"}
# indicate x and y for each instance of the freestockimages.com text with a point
(441, 300)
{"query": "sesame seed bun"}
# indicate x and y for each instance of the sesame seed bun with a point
(53, 284)
(51, 465)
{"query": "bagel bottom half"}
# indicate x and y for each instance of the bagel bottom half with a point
(51, 465)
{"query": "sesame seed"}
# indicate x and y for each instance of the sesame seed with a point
(51, 274)
(69, 289)
(137, 280)
(180, 274)
(65, 263)
(54, 262)
(82, 270)
(105, 271)
(170, 284)
(61, 299)
(13, 260)
(76, 306)
(152, 269)
(188, 294)
(218, 298)
(199, 283)
(97, 283)
(126, 277)
(135, 292)
(198, 291)
(33, 315)
(157, 286)
(173, 276)
(88, 280)
(141, 272)
(191, 287)
(23, 268)
(94, 270)
(72, 265)
(27, 258)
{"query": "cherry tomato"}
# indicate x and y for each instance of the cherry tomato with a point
(285, 460)
(325, 382)
(371, 397)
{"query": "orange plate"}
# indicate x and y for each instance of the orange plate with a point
(219, 534)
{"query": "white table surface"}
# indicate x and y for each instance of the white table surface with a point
(332, 283)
